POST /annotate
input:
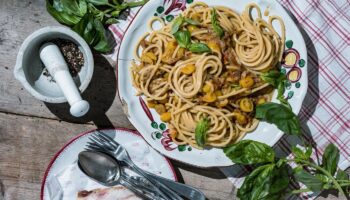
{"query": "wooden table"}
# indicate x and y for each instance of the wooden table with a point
(32, 131)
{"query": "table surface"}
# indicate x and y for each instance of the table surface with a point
(31, 131)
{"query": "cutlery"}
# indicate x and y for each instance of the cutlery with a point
(106, 171)
(185, 190)
(104, 143)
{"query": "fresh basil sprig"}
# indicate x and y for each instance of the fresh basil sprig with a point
(201, 131)
(179, 21)
(277, 80)
(270, 177)
(280, 115)
(88, 18)
(183, 37)
(217, 28)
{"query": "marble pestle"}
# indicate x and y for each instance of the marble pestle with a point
(54, 61)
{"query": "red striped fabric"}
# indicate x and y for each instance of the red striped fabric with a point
(326, 110)
(325, 113)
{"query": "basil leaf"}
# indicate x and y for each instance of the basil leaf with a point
(56, 11)
(308, 151)
(262, 109)
(281, 162)
(330, 158)
(57, 4)
(183, 38)
(201, 132)
(249, 152)
(272, 77)
(177, 24)
(116, 13)
(131, 4)
(94, 33)
(98, 2)
(280, 115)
(267, 182)
(341, 175)
(313, 183)
(280, 96)
(300, 154)
(192, 22)
(111, 21)
(82, 7)
(277, 80)
(85, 28)
(217, 28)
(325, 180)
(105, 42)
(73, 7)
(199, 48)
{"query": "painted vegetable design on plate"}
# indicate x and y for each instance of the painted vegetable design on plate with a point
(292, 62)
(161, 132)
(171, 8)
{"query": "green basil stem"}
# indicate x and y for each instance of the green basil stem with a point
(325, 172)
(136, 3)
(130, 4)
(111, 5)
(300, 191)
(116, 2)
(343, 181)
(127, 4)
(107, 11)
(308, 190)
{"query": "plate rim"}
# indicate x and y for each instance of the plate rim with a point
(296, 109)
(80, 135)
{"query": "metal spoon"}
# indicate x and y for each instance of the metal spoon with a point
(185, 190)
(106, 170)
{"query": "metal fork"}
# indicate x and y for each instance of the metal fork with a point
(102, 142)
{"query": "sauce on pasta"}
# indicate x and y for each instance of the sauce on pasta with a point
(222, 85)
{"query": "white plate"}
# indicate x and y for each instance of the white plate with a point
(140, 152)
(148, 122)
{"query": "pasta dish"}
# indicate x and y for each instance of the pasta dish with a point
(201, 72)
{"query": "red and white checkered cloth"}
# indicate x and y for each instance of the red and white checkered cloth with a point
(325, 113)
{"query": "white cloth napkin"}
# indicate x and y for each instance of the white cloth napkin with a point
(72, 180)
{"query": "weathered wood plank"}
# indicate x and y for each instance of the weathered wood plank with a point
(18, 19)
(27, 144)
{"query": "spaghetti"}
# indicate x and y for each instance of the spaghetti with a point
(221, 85)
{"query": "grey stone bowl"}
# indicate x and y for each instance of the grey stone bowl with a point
(29, 68)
